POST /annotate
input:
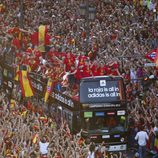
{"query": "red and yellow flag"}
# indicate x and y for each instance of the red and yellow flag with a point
(48, 90)
(41, 38)
(43, 119)
(35, 137)
(12, 103)
(16, 78)
(24, 113)
(27, 90)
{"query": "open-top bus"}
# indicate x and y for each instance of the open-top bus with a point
(100, 112)
(103, 114)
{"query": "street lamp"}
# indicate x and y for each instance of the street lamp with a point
(88, 13)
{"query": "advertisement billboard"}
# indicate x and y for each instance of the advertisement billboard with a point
(101, 90)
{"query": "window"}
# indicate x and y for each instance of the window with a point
(102, 120)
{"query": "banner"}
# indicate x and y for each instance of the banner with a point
(48, 89)
(101, 90)
(12, 103)
(41, 38)
(25, 84)
(151, 55)
(35, 138)
(16, 78)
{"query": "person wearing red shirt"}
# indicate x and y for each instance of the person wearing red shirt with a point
(114, 69)
(81, 59)
(95, 69)
(34, 38)
(87, 71)
(102, 70)
(25, 41)
(26, 60)
(47, 39)
(16, 43)
(114, 72)
(29, 50)
(52, 56)
(68, 62)
(78, 74)
(79, 70)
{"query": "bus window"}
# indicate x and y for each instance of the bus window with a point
(87, 124)
(100, 121)
(111, 122)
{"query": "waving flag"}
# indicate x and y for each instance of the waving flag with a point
(17, 74)
(25, 83)
(12, 103)
(35, 138)
(48, 90)
(41, 37)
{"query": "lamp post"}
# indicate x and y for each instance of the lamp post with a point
(88, 13)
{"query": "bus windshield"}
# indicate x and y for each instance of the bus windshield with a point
(103, 122)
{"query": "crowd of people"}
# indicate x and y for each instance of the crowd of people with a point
(25, 133)
(120, 36)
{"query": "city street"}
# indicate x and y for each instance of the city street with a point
(78, 78)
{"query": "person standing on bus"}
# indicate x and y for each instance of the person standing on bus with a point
(142, 138)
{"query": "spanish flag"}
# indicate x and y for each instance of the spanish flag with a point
(43, 119)
(48, 90)
(24, 113)
(41, 38)
(16, 78)
(12, 103)
(34, 140)
(25, 84)
(156, 58)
